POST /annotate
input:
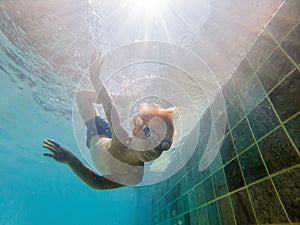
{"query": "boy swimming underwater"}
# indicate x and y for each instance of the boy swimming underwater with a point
(120, 157)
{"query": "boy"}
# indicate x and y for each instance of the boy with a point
(120, 157)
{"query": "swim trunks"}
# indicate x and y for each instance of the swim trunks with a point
(97, 126)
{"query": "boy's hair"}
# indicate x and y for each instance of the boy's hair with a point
(149, 111)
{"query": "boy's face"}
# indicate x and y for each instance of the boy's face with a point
(157, 127)
(158, 130)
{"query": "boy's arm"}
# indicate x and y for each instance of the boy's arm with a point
(105, 97)
(85, 173)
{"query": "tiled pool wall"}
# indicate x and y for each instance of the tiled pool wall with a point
(255, 178)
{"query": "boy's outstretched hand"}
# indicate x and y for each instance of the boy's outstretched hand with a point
(59, 153)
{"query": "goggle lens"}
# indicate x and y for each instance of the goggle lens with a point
(152, 136)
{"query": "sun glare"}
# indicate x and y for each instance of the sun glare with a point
(147, 8)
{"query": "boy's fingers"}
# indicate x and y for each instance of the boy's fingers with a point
(49, 155)
(51, 143)
(50, 148)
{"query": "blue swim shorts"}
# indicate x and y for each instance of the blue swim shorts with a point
(97, 126)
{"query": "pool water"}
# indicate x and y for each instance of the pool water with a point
(45, 48)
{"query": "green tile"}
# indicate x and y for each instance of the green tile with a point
(266, 203)
(205, 173)
(242, 74)
(227, 149)
(242, 137)
(200, 194)
(193, 160)
(220, 127)
(288, 185)
(192, 199)
(218, 106)
(203, 216)
(162, 215)
(292, 44)
(183, 205)
(176, 221)
(235, 112)
(277, 151)
(194, 177)
(187, 219)
(208, 189)
(251, 94)
(185, 186)
(200, 217)
(201, 145)
(205, 122)
(274, 69)
(174, 209)
(212, 212)
(243, 210)
(225, 211)
(261, 50)
(234, 175)
(216, 163)
(285, 97)
(170, 196)
(287, 17)
(262, 119)
(227, 129)
(229, 91)
(252, 165)
(220, 183)
(178, 189)
(293, 128)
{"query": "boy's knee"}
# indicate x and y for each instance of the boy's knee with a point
(85, 96)
(82, 97)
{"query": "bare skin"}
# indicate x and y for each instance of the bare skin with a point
(116, 158)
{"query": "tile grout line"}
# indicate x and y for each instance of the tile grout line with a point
(258, 36)
(223, 166)
(245, 187)
(281, 81)
(255, 141)
(187, 172)
(279, 43)
(276, 46)
(214, 191)
(245, 116)
(259, 150)
(254, 106)
(282, 123)
(232, 210)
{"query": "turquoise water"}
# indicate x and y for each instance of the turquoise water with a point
(35, 189)
(44, 51)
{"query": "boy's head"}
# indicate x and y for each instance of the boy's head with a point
(155, 125)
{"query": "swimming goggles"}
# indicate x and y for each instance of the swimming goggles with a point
(152, 137)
